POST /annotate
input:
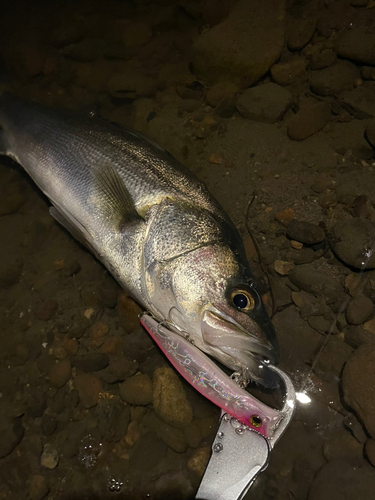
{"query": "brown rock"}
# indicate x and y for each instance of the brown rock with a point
(128, 311)
(323, 59)
(197, 463)
(169, 398)
(343, 479)
(357, 41)
(359, 393)
(287, 73)
(38, 488)
(47, 310)
(285, 216)
(97, 333)
(60, 373)
(341, 444)
(309, 120)
(349, 240)
(305, 232)
(359, 310)
(220, 91)
(301, 27)
(282, 267)
(119, 369)
(335, 79)
(89, 388)
(265, 103)
(137, 390)
(242, 47)
(71, 345)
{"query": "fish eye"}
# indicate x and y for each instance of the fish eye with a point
(242, 299)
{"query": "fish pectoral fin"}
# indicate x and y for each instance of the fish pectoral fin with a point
(75, 228)
(114, 200)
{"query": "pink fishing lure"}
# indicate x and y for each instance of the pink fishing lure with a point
(208, 379)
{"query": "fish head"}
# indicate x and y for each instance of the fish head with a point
(219, 306)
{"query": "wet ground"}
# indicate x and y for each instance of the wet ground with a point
(78, 377)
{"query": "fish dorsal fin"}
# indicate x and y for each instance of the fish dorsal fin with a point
(113, 198)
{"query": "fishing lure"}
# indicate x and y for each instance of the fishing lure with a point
(208, 379)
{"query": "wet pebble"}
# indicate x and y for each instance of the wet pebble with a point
(169, 398)
(91, 362)
(320, 324)
(323, 59)
(300, 28)
(137, 345)
(109, 292)
(335, 79)
(174, 438)
(128, 311)
(70, 345)
(356, 336)
(60, 373)
(38, 487)
(309, 120)
(370, 451)
(97, 333)
(236, 49)
(315, 281)
(357, 41)
(48, 424)
(359, 395)
(305, 232)
(10, 270)
(50, 456)
(198, 461)
(137, 390)
(264, 103)
(220, 91)
(89, 388)
(282, 267)
(343, 479)
(47, 310)
(289, 72)
(285, 216)
(120, 368)
(352, 241)
(11, 432)
(359, 310)
(341, 444)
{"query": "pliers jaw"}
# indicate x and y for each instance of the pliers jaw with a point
(240, 454)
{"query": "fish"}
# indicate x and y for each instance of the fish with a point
(153, 225)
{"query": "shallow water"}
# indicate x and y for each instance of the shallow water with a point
(77, 431)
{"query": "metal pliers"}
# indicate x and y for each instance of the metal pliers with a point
(240, 454)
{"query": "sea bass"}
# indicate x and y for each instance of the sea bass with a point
(151, 222)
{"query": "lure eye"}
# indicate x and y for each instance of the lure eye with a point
(243, 300)
(255, 421)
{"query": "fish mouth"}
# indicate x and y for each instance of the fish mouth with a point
(235, 347)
